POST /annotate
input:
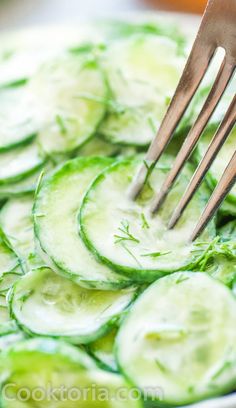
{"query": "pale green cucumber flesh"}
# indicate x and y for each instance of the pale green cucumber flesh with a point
(124, 235)
(179, 338)
(19, 163)
(68, 117)
(17, 223)
(142, 73)
(49, 364)
(61, 196)
(44, 303)
(103, 351)
(18, 117)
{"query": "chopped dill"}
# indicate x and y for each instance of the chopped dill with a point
(156, 254)
(60, 121)
(207, 251)
(127, 236)
(145, 224)
(161, 366)
(152, 124)
(181, 278)
(132, 255)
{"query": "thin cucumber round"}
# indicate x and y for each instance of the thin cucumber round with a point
(224, 269)
(122, 233)
(19, 163)
(18, 117)
(7, 324)
(180, 339)
(8, 259)
(102, 350)
(58, 375)
(98, 147)
(142, 73)
(228, 231)
(62, 248)
(17, 223)
(26, 186)
(10, 339)
(218, 167)
(8, 279)
(44, 303)
(68, 90)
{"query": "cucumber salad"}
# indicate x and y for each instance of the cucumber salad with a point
(101, 306)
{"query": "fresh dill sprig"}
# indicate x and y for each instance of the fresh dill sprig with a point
(152, 124)
(60, 121)
(145, 224)
(207, 251)
(127, 236)
(156, 254)
(161, 366)
(132, 255)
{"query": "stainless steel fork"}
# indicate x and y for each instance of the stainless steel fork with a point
(218, 29)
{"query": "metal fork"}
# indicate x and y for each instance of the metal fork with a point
(217, 29)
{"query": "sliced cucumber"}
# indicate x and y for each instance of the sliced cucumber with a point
(142, 72)
(44, 303)
(7, 324)
(62, 248)
(122, 233)
(10, 339)
(221, 162)
(102, 350)
(8, 259)
(98, 147)
(25, 186)
(62, 375)
(228, 231)
(69, 118)
(18, 117)
(180, 339)
(224, 269)
(17, 223)
(19, 163)
(8, 279)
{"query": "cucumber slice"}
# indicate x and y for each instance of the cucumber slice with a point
(142, 72)
(98, 147)
(228, 231)
(47, 304)
(9, 340)
(7, 324)
(8, 259)
(218, 167)
(69, 119)
(180, 339)
(224, 269)
(8, 279)
(58, 375)
(62, 248)
(124, 235)
(102, 350)
(19, 163)
(17, 223)
(25, 186)
(18, 115)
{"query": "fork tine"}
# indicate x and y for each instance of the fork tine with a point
(222, 189)
(216, 144)
(224, 75)
(194, 71)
